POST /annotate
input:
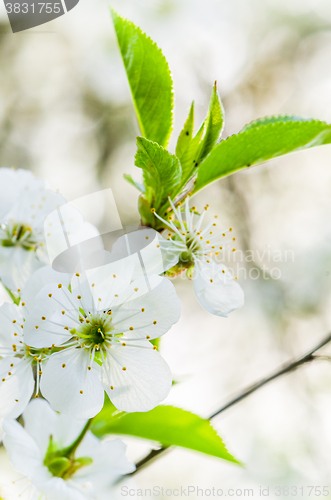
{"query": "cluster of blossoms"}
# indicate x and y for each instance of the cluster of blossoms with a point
(69, 338)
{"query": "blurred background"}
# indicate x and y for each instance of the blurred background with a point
(66, 114)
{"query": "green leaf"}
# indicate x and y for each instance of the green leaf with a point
(149, 78)
(168, 426)
(189, 158)
(186, 134)
(260, 143)
(214, 125)
(161, 170)
(191, 151)
(137, 185)
(273, 119)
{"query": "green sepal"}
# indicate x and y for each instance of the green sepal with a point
(137, 185)
(59, 466)
(145, 210)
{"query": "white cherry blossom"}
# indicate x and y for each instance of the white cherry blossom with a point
(24, 204)
(103, 326)
(88, 475)
(18, 360)
(195, 246)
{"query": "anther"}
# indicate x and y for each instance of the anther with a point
(23, 303)
(64, 365)
(124, 368)
(79, 297)
(43, 318)
(77, 274)
(81, 392)
(131, 328)
(154, 322)
(136, 289)
(114, 275)
(143, 309)
(59, 285)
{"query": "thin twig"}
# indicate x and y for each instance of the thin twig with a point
(287, 368)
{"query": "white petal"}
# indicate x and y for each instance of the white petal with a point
(23, 451)
(56, 488)
(150, 312)
(109, 462)
(67, 429)
(44, 276)
(217, 291)
(50, 303)
(39, 423)
(62, 386)
(17, 389)
(13, 183)
(145, 382)
(33, 207)
(151, 253)
(98, 286)
(16, 266)
(10, 323)
(70, 238)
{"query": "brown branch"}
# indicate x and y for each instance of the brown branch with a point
(287, 368)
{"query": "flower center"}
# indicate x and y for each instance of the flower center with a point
(17, 234)
(96, 331)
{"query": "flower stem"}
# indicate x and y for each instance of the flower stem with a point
(287, 368)
(71, 449)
